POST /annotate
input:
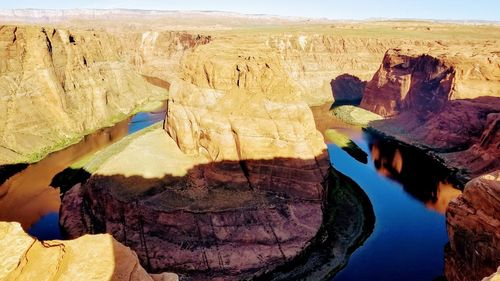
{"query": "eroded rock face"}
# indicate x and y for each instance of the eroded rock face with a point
(404, 82)
(473, 222)
(59, 84)
(347, 89)
(418, 92)
(90, 257)
(224, 191)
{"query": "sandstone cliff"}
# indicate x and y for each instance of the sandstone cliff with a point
(234, 187)
(96, 257)
(58, 84)
(473, 222)
(232, 184)
(420, 93)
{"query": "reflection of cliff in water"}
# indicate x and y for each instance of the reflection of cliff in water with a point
(27, 196)
(424, 178)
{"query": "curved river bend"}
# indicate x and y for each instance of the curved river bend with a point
(408, 191)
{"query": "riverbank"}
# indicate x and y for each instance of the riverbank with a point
(348, 221)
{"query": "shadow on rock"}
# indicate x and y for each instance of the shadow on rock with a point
(227, 220)
(347, 89)
(348, 221)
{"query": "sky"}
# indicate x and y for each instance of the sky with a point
(333, 9)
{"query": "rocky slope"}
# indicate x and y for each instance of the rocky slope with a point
(473, 222)
(25, 258)
(420, 93)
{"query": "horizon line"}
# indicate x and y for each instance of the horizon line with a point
(262, 15)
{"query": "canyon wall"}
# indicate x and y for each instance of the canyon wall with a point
(408, 82)
(423, 98)
(58, 85)
(419, 93)
(473, 223)
(87, 78)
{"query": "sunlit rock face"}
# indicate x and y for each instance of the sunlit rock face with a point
(96, 257)
(60, 84)
(473, 222)
(405, 82)
(420, 94)
(231, 186)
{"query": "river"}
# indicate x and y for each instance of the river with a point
(409, 193)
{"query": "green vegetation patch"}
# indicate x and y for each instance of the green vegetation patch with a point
(92, 162)
(347, 145)
(355, 115)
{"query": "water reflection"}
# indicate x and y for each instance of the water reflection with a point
(423, 178)
(409, 192)
(30, 195)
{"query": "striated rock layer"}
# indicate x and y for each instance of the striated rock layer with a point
(473, 222)
(223, 191)
(405, 82)
(58, 84)
(90, 257)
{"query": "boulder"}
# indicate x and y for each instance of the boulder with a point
(90, 257)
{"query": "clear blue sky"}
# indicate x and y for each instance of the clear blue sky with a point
(334, 9)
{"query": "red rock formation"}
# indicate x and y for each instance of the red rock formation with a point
(417, 93)
(405, 82)
(232, 231)
(473, 222)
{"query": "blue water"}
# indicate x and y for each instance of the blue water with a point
(408, 240)
(144, 119)
(47, 227)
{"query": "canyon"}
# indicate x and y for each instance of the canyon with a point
(421, 95)
(233, 183)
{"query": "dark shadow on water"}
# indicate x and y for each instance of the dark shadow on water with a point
(409, 192)
(7, 171)
(425, 179)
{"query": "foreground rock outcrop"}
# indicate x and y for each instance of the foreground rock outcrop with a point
(473, 222)
(91, 257)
